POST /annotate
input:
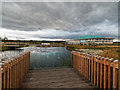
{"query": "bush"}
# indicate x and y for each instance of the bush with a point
(4, 48)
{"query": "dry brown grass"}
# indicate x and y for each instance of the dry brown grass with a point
(108, 51)
(111, 53)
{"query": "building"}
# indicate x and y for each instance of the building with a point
(72, 41)
(45, 43)
(116, 41)
(90, 39)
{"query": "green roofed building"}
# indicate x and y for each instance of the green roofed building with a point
(88, 36)
(91, 39)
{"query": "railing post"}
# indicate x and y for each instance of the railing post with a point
(109, 73)
(0, 76)
(98, 72)
(74, 61)
(101, 72)
(92, 69)
(71, 59)
(8, 74)
(15, 73)
(4, 77)
(95, 71)
(83, 65)
(11, 63)
(86, 66)
(105, 72)
(29, 61)
(119, 75)
(77, 61)
(80, 63)
(89, 68)
(114, 74)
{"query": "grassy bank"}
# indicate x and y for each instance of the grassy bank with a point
(111, 51)
(73, 47)
(4, 48)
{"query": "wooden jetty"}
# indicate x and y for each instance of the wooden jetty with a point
(56, 78)
(88, 71)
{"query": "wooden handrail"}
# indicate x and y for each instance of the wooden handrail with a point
(101, 71)
(12, 72)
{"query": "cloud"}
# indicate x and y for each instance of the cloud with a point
(36, 35)
(59, 20)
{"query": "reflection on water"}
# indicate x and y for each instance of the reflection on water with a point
(42, 57)
(6, 55)
(47, 57)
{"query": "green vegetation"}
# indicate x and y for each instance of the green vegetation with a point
(26, 45)
(2, 59)
(4, 48)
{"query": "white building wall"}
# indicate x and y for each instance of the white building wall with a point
(45, 43)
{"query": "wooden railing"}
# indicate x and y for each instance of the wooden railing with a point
(103, 72)
(12, 72)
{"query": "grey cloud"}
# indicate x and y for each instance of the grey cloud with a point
(68, 16)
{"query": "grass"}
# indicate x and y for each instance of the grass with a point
(110, 51)
(73, 47)
(4, 48)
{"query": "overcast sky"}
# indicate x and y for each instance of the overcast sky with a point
(60, 20)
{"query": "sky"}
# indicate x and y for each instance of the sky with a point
(58, 20)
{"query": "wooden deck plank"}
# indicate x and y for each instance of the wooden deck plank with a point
(56, 78)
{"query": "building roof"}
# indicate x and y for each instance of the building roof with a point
(91, 37)
(88, 36)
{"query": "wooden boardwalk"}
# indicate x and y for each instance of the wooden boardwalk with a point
(55, 78)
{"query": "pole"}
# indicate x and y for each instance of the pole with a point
(0, 77)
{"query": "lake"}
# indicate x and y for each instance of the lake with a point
(44, 57)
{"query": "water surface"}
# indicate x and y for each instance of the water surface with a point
(45, 57)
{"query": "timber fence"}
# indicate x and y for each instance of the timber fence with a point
(12, 72)
(103, 72)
